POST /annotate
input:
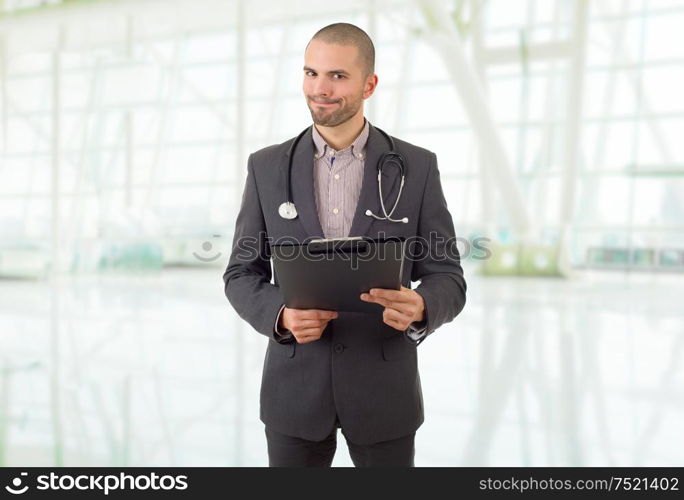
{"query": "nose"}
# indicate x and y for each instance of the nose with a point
(321, 88)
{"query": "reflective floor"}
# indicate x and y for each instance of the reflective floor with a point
(157, 370)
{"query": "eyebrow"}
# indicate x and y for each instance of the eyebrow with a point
(341, 71)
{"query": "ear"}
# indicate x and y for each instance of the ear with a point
(370, 86)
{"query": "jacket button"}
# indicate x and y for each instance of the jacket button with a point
(338, 348)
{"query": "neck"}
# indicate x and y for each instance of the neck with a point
(343, 135)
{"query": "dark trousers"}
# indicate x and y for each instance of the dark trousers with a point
(289, 451)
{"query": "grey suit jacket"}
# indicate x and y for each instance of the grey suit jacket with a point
(360, 370)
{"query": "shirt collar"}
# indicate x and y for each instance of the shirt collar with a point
(357, 147)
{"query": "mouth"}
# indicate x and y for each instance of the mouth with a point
(324, 104)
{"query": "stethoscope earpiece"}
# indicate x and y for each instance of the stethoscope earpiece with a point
(371, 214)
(287, 210)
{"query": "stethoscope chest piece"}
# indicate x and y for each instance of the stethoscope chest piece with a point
(287, 210)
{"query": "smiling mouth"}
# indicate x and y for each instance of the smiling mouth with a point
(324, 103)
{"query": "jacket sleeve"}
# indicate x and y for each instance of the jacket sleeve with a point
(437, 260)
(247, 278)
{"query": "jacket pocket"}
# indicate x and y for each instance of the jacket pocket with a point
(397, 347)
(286, 349)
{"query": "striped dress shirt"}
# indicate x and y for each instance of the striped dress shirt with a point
(337, 182)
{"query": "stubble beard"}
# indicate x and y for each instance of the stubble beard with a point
(327, 118)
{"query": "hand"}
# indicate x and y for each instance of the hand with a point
(402, 307)
(306, 325)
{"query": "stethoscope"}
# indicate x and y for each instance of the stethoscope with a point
(287, 210)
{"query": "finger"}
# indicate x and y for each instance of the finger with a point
(307, 332)
(396, 316)
(403, 307)
(393, 295)
(394, 324)
(306, 340)
(318, 314)
(315, 336)
(309, 323)
(376, 300)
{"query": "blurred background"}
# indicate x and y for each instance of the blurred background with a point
(124, 132)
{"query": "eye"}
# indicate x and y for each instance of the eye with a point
(309, 72)
(340, 75)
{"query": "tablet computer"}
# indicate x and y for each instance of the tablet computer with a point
(332, 273)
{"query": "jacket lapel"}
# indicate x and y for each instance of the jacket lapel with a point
(303, 186)
(368, 199)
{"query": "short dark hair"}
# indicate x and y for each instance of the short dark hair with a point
(348, 34)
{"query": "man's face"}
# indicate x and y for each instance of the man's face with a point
(334, 82)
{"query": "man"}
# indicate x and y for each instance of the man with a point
(328, 369)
